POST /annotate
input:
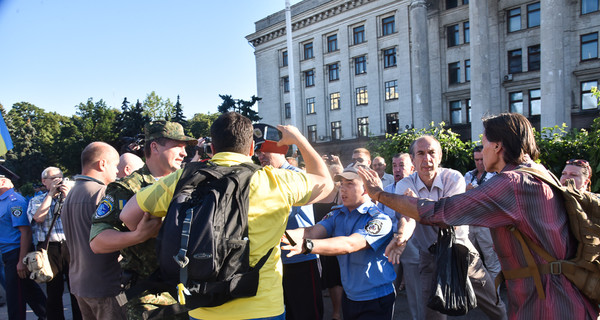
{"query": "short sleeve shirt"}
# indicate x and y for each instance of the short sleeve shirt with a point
(273, 192)
(13, 214)
(366, 274)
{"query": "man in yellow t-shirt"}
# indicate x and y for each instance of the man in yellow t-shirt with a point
(272, 194)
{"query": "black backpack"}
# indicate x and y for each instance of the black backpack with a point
(203, 247)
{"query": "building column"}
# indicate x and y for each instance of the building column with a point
(555, 109)
(481, 73)
(419, 69)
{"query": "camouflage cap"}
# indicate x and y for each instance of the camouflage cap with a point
(166, 129)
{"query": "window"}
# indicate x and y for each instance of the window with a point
(288, 111)
(588, 101)
(589, 46)
(387, 25)
(391, 90)
(332, 43)
(284, 58)
(389, 58)
(533, 58)
(454, 72)
(467, 32)
(336, 130)
(451, 4)
(514, 20)
(360, 65)
(308, 51)
(588, 6)
(514, 61)
(452, 33)
(533, 15)
(312, 133)
(465, 1)
(467, 70)
(334, 101)
(535, 102)
(515, 100)
(310, 106)
(455, 112)
(334, 71)
(468, 110)
(363, 127)
(362, 97)
(358, 34)
(309, 78)
(286, 84)
(392, 123)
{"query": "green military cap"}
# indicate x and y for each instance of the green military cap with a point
(166, 129)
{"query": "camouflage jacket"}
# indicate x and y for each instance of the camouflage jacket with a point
(140, 258)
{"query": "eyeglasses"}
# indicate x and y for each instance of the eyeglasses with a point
(579, 163)
(359, 160)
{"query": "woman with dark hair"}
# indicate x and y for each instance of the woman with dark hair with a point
(511, 199)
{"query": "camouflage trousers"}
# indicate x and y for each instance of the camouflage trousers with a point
(136, 307)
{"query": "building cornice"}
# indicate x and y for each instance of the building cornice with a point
(259, 38)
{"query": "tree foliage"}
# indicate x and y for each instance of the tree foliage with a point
(199, 125)
(241, 106)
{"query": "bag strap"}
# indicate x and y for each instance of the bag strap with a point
(55, 212)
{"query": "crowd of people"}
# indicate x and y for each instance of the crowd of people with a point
(350, 228)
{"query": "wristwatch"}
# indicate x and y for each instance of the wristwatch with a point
(307, 246)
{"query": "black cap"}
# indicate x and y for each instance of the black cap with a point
(5, 173)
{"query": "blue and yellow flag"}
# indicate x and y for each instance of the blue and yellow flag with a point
(5, 140)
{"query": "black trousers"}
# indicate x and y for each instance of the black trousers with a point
(376, 309)
(58, 254)
(302, 291)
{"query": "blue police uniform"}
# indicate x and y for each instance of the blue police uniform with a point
(13, 214)
(366, 274)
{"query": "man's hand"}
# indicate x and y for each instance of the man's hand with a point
(372, 182)
(289, 135)
(294, 250)
(54, 187)
(22, 269)
(394, 250)
(148, 227)
(470, 186)
(64, 189)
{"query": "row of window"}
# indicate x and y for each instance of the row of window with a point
(388, 26)
(516, 102)
(454, 72)
(514, 17)
(515, 59)
(362, 124)
(362, 97)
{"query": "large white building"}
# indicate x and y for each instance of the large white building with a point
(370, 67)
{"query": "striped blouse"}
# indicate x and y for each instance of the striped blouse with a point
(518, 199)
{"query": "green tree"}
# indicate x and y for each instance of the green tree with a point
(96, 121)
(199, 125)
(238, 105)
(157, 108)
(131, 120)
(178, 114)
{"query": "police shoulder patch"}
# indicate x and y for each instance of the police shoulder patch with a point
(327, 216)
(105, 206)
(16, 211)
(374, 227)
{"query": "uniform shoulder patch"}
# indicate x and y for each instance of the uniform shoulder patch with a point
(106, 205)
(327, 216)
(16, 211)
(374, 227)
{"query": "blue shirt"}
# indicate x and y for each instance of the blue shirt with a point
(13, 213)
(391, 188)
(300, 217)
(366, 274)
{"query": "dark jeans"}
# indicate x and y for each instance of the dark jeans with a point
(21, 291)
(58, 254)
(376, 309)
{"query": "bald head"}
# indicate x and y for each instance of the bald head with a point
(128, 163)
(99, 160)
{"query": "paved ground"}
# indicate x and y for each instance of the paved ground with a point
(400, 312)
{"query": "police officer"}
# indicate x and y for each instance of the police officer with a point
(15, 242)
(164, 149)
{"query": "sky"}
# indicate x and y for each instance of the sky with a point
(57, 54)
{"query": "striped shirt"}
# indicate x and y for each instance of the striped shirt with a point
(518, 199)
(40, 230)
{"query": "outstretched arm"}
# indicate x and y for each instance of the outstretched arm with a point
(404, 204)
(111, 240)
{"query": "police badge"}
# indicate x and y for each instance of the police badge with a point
(373, 227)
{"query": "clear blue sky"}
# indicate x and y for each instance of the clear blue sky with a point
(58, 53)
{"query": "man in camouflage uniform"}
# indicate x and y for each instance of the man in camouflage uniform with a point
(164, 149)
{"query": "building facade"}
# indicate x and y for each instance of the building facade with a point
(370, 67)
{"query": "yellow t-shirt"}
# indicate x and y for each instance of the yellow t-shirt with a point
(272, 194)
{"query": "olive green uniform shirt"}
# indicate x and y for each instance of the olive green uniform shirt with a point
(140, 258)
